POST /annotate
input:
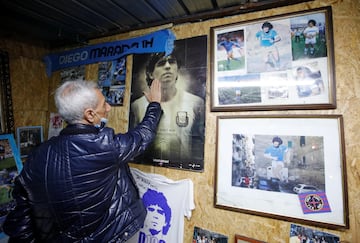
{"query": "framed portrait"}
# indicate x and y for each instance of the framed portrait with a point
(285, 167)
(180, 136)
(244, 239)
(28, 138)
(276, 63)
(204, 235)
(10, 167)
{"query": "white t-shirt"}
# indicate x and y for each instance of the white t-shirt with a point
(310, 33)
(167, 202)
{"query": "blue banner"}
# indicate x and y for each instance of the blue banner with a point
(159, 41)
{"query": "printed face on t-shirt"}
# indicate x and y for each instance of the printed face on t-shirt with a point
(155, 219)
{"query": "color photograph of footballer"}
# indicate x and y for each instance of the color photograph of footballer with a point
(231, 54)
(308, 36)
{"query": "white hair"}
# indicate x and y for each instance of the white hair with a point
(72, 98)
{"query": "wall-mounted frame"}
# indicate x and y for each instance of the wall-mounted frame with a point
(10, 166)
(28, 138)
(179, 142)
(251, 178)
(289, 67)
(244, 239)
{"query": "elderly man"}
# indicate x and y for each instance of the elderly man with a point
(77, 187)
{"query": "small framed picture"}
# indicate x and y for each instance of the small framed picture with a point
(28, 138)
(299, 233)
(204, 235)
(10, 167)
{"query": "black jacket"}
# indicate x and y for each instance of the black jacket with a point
(77, 187)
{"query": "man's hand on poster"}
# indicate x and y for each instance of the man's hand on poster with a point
(154, 94)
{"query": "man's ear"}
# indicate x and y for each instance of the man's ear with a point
(89, 115)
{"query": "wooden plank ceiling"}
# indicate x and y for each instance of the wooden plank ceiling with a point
(61, 23)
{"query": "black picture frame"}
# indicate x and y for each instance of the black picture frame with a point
(180, 138)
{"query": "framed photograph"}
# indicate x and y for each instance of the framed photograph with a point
(10, 167)
(204, 235)
(179, 142)
(244, 239)
(29, 138)
(299, 232)
(276, 63)
(285, 167)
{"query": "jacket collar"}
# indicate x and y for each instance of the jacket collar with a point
(78, 128)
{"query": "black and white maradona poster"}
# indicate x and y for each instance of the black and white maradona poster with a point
(179, 141)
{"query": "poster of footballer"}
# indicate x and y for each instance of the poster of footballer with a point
(179, 141)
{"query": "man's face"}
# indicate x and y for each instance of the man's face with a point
(166, 71)
(276, 144)
(155, 218)
(102, 108)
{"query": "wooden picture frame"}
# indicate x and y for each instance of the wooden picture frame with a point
(251, 178)
(277, 63)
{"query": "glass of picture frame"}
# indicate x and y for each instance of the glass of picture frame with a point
(276, 63)
(289, 167)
